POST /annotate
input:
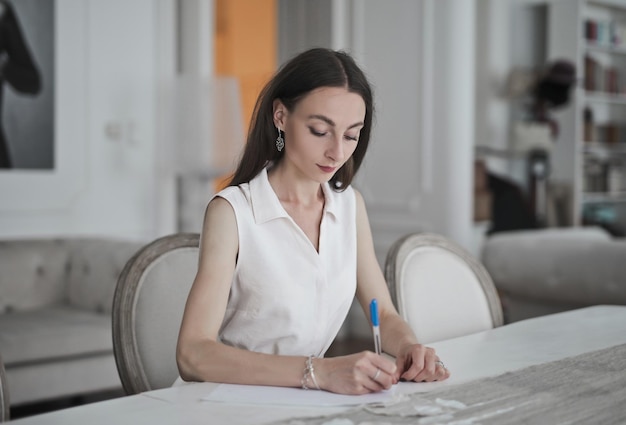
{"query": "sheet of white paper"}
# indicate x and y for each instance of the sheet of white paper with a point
(257, 394)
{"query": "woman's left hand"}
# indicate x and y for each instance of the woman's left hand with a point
(416, 362)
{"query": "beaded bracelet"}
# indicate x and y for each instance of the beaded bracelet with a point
(309, 370)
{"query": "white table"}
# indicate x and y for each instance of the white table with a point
(490, 353)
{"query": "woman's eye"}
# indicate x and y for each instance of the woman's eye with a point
(353, 138)
(317, 133)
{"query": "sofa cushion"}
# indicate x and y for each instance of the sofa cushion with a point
(95, 267)
(53, 333)
(581, 266)
(33, 273)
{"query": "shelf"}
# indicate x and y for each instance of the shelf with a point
(620, 50)
(617, 5)
(604, 149)
(584, 32)
(604, 197)
(608, 98)
(500, 152)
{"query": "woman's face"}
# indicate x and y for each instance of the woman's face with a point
(322, 131)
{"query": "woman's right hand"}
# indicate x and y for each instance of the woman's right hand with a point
(360, 373)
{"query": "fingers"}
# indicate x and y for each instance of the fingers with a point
(428, 366)
(421, 364)
(441, 371)
(419, 361)
(359, 373)
(380, 372)
(383, 363)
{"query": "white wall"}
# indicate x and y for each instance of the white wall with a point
(115, 70)
(111, 66)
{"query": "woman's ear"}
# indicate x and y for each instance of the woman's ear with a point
(279, 114)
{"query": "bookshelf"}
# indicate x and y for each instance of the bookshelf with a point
(590, 155)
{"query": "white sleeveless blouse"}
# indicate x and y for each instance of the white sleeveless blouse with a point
(286, 298)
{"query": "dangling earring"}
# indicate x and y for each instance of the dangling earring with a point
(280, 142)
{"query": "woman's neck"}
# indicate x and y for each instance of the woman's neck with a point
(293, 188)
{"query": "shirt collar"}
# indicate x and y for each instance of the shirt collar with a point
(266, 206)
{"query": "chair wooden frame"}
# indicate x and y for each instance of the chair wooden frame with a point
(400, 250)
(5, 402)
(125, 346)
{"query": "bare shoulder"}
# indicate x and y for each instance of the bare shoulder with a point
(219, 229)
(220, 205)
(221, 208)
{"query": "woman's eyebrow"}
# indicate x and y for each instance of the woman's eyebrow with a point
(331, 122)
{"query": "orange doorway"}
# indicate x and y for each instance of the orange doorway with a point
(245, 46)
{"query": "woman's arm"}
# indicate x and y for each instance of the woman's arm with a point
(413, 360)
(199, 355)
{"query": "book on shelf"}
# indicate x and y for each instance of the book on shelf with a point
(603, 79)
(604, 177)
(612, 83)
(608, 133)
(605, 33)
(589, 127)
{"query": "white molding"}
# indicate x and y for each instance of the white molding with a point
(40, 190)
(426, 86)
(357, 34)
(166, 36)
(196, 37)
(340, 24)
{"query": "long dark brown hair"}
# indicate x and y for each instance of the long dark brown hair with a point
(307, 71)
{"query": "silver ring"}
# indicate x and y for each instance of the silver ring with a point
(440, 363)
(376, 374)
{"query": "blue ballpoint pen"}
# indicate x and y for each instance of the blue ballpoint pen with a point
(375, 326)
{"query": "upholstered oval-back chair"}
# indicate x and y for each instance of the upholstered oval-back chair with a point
(148, 306)
(4, 395)
(440, 289)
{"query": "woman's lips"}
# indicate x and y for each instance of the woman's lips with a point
(326, 169)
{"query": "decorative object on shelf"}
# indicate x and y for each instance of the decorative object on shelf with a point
(545, 89)
(552, 91)
(532, 135)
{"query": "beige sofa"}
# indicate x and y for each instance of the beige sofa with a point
(55, 315)
(539, 272)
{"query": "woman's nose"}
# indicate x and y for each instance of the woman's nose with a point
(335, 150)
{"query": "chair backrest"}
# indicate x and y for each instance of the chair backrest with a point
(4, 395)
(440, 289)
(148, 306)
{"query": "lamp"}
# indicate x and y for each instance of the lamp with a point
(209, 138)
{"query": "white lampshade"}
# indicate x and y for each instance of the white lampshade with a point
(209, 125)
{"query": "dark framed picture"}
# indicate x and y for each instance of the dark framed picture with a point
(27, 89)
(49, 169)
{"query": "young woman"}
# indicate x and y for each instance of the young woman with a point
(287, 245)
